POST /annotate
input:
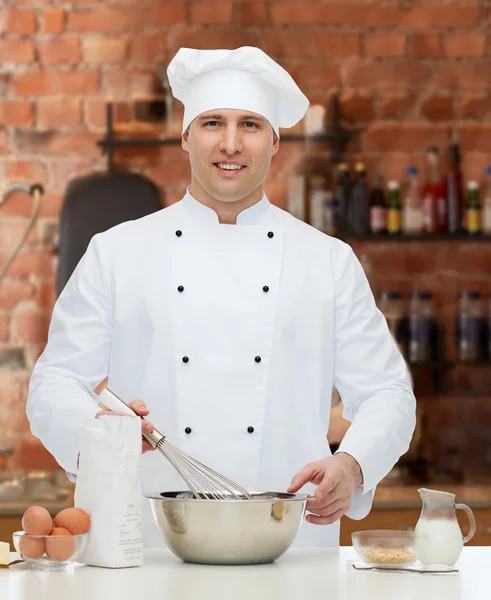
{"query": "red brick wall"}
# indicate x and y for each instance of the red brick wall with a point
(409, 73)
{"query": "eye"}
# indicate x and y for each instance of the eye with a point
(211, 123)
(249, 123)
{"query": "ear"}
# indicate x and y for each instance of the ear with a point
(276, 144)
(184, 140)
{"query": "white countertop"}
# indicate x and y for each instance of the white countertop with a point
(313, 574)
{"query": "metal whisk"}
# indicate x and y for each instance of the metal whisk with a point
(204, 482)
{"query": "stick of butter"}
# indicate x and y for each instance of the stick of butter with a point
(4, 553)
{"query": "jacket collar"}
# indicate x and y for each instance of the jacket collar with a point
(253, 215)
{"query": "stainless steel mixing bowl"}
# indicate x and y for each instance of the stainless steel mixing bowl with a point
(228, 532)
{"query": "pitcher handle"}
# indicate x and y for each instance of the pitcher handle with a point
(472, 521)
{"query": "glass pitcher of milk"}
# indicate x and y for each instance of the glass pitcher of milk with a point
(444, 540)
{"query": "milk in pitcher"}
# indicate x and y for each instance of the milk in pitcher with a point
(443, 543)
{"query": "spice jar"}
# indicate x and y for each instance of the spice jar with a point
(421, 327)
(392, 307)
(470, 326)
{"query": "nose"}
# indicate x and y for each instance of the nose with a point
(231, 142)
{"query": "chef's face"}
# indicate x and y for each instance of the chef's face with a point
(230, 153)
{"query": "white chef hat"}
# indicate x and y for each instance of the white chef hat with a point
(245, 79)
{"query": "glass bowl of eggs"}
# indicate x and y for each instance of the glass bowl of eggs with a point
(51, 544)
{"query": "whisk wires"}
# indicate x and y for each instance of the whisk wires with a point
(203, 481)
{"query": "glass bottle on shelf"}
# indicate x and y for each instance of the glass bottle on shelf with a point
(297, 196)
(421, 327)
(488, 329)
(392, 307)
(470, 325)
(317, 198)
(331, 215)
(378, 207)
(343, 197)
(394, 211)
(473, 209)
(359, 213)
(455, 192)
(6, 450)
(412, 211)
(486, 205)
(434, 205)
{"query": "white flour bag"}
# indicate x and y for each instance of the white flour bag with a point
(108, 489)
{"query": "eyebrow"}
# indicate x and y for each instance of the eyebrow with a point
(242, 118)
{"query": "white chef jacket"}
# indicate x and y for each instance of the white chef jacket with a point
(233, 335)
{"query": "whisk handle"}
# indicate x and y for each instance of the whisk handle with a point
(113, 402)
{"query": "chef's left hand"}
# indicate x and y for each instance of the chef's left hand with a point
(337, 477)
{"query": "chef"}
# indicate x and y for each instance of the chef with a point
(227, 321)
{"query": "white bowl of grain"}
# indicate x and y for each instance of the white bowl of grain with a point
(386, 547)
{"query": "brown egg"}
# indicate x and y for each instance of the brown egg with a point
(31, 547)
(60, 544)
(75, 520)
(37, 521)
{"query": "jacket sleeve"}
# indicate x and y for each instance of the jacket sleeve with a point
(372, 378)
(75, 359)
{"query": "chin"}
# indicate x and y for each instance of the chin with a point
(224, 195)
(229, 199)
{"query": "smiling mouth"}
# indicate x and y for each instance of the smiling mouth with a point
(229, 169)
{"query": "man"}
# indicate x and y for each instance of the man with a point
(231, 320)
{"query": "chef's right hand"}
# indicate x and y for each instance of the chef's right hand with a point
(139, 407)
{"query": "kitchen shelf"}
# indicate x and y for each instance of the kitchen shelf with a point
(457, 394)
(441, 237)
(106, 143)
(335, 139)
(438, 369)
(448, 364)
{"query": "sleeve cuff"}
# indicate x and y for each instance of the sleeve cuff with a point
(362, 485)
(361, 504)
(348, 446)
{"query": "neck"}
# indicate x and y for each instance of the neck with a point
(227, 211)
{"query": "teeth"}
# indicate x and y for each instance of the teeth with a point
(228, 166)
